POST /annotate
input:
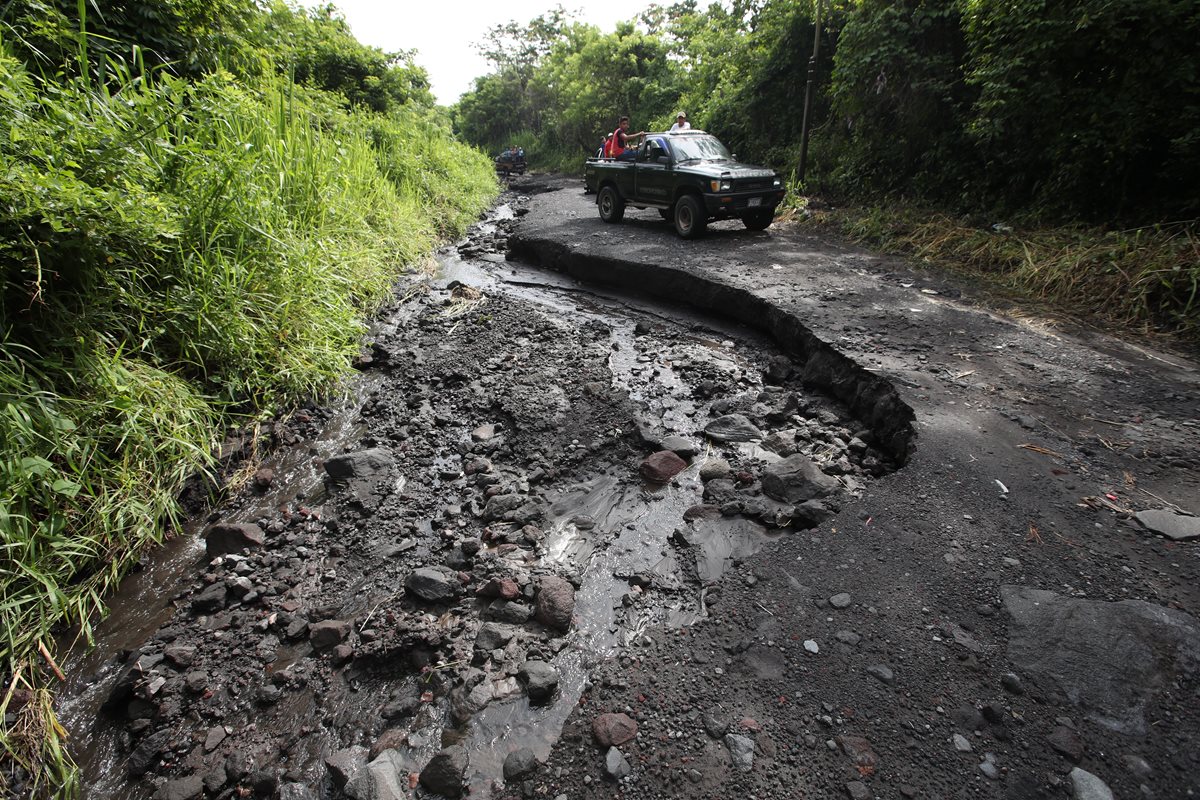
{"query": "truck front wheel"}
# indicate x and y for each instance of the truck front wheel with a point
(690, 218)
(758, 220)
(612, 207)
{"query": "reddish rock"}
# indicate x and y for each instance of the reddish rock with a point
(859, 750)
(328, 633)
(662, 466)
(555, 603)
(506, 588)
(611, 730)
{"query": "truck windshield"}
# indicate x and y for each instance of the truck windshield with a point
(690, 148)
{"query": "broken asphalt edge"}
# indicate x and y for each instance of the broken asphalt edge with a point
(870, 397)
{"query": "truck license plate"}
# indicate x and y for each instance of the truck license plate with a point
(754, 201)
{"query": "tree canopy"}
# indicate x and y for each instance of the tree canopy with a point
(1083, 109)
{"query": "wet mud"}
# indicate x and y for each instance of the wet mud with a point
(409, 584)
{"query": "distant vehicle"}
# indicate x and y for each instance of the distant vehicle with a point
(691, 178)
(509, 162)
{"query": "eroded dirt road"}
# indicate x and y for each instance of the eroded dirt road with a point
(624, 516)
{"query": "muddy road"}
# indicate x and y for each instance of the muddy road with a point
(611, 514)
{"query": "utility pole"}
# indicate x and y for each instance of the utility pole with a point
(812, 71)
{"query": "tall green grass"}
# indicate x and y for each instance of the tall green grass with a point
(175, 257)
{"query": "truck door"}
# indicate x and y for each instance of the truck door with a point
(653, 175)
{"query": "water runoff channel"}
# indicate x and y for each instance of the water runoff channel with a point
(677, 368)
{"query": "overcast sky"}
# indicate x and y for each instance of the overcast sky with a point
(444, 32)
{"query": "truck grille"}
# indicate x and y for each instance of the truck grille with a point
(750, 184)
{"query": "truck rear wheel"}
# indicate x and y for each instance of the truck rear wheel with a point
(758, 220)
(612, 207)
(690, 218)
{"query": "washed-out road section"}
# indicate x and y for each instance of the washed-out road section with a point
(1012, 614)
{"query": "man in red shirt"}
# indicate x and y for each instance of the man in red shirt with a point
(620, 148)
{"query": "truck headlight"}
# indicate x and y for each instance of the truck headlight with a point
(778, 183)
(721, 186)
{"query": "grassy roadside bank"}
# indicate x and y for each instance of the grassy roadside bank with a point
(1144, 280)
(176, 257)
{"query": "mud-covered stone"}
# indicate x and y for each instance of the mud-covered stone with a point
(232, 537)
(702, 511)
(732, 428)
(361, 464)
(1066, 743)
(445, 772)
(715, 469)
(540, 679)
(520, 764)
(145, 756)
(796, 479)
(432, 585)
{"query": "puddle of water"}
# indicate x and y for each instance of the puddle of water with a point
(638, 524)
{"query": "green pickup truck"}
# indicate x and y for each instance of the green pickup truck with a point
(690, 178)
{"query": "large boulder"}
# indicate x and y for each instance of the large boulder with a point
(796, 479)
(1109, 659)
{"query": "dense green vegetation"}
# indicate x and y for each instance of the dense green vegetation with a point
(202, 201)
(1027, 112)
(1080, 109)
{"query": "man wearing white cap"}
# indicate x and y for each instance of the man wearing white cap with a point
(681, 123)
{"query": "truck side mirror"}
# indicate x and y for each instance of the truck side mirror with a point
(664, 159)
